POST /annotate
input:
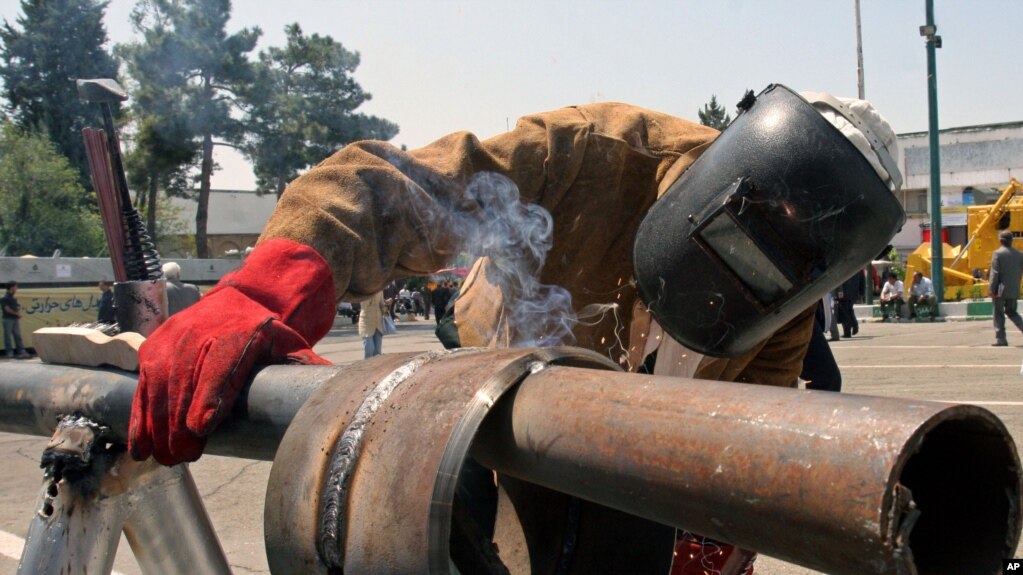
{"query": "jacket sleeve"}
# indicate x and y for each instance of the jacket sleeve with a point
(376, 212)
(776, 361)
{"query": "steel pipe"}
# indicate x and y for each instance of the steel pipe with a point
(365, 479)
(34, 395)
(831, 481)
(840, 483)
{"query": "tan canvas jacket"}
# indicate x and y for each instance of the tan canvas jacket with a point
(376, 213)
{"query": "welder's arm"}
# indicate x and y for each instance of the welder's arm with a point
(372, 222)
(191, 370)
(376, 212)
(366, 215)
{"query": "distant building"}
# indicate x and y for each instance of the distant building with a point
(235, 219)
(976, 164)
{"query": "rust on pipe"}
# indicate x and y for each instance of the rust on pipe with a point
(840, 483)
(830, 481)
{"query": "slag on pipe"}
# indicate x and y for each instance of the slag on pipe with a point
(841, 483)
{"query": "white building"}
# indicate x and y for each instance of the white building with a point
(976, 163)
(235, 219)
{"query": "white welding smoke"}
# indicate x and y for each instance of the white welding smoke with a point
(516, 237)
(487, 218)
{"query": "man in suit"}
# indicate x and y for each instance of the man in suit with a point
(1006, 270)
(179, 294)
(847, 295)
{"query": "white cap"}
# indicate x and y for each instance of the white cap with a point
(866, 128)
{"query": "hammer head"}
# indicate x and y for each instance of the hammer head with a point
(101, 91)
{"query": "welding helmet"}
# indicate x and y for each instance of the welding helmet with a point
(780, 209)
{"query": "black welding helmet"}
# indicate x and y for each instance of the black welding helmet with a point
(780, 209)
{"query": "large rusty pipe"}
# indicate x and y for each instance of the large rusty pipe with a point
(825, 480)
(837, 482)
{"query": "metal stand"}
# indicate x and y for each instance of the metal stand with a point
(92, 490)
(81, 535)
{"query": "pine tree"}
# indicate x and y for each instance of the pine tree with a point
(302, 107)
(714, 115)
(187, 52)
(54, 43)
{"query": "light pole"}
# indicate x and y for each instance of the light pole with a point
(868, 281)
(929, 31)
(859, 55)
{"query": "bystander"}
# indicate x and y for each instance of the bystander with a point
(179, 294)
(106, 304)
(11, 318)
(921, 293)
(892, 296)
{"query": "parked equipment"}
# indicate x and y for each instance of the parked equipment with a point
(966, 267)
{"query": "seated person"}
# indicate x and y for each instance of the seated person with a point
(892, 296)
(921, 292)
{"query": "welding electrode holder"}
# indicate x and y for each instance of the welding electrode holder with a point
(132, 249)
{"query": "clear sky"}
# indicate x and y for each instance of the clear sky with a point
(435, 66)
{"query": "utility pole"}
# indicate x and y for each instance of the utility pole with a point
(859, 55)
(929, 31)
(868, 281)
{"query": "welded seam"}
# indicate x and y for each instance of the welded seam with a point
(346, 455)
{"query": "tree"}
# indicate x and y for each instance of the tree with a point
(187, 50)
(58, 42)
(39, 193)
(175, 238)
(714, 115)
(163, 153)
(302, 108)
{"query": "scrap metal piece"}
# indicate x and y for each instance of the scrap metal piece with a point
(92, 490)
(101, 90)
(79, 453)
(141, 306)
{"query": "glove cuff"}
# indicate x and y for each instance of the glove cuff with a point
(293, 281)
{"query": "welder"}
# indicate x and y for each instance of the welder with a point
(703, 255)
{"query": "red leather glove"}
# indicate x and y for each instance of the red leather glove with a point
(191, 370)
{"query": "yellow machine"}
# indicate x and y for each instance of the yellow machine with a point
(966, 267)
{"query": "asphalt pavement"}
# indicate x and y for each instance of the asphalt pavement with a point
(942, 361)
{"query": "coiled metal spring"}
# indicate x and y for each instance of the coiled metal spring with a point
(142, 259)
